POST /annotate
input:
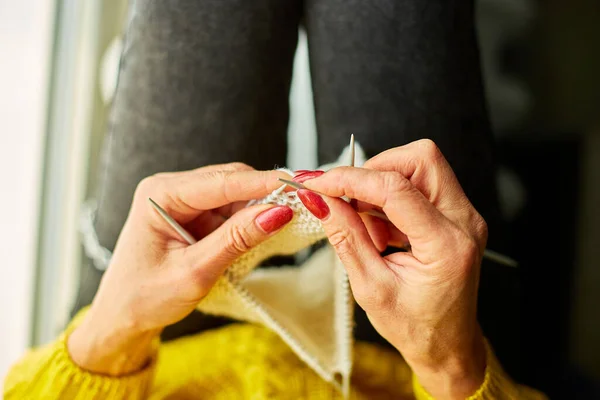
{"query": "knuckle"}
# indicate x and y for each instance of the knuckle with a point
(429, 149)
(469, 252)
(394, 182)
(481, 229)
(230, 185)
(341, 240)
(162, 175)
(148, 186)
(221, 179)
(239, 240)
(239, 166)
(214, 175)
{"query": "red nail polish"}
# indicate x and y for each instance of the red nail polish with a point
(306, 175)
(274, 218)
(313, 203)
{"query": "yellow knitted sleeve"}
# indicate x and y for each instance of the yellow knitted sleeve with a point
(497, 385)
(48, 372)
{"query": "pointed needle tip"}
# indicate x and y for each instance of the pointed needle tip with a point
(293, 184)
(352, 156)
(154, 204)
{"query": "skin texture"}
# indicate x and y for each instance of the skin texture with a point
(423, 301)
(155, 278)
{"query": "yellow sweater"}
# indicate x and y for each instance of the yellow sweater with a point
(240, 361)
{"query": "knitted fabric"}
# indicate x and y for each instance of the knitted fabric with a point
(239, 361)
(310, 306)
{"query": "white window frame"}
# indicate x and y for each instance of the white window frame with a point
(26, 32)
(66, 165)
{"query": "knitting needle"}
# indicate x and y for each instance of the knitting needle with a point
(489, 254)
(178, 228)
(297, 185)
(500, 258)
(352, 157)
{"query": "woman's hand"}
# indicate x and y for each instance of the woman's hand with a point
(155, 278)
(423, 301)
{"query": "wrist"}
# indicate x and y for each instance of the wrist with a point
(108, 350)
(457, 375)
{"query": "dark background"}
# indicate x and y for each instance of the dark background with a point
(542, 63)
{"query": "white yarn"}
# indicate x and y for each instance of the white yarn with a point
(310, 306)
(99, 254)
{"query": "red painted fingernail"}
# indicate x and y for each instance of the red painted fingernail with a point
(274, 218)
(313, 203)
(306, 175)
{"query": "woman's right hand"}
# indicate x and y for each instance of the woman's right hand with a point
(155, 278)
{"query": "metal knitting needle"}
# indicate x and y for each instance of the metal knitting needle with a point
(174, 224)
(489, 254)
(500, 258)
(297, 185)
(352, 157)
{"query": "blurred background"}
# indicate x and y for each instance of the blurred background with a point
(541, 61)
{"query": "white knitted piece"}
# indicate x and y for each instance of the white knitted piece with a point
(309, 306)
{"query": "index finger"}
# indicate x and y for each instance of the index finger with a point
(424, 165)
(184, 196)
(405, 206)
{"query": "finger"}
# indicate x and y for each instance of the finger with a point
(405, 206)
(204, 224)
(243, 231)
(381, 230)
(228, 210)
(378, 231)
(184, 196)
(423, 164)
(234, 166)
(362, 207)
(208, 221)
(397, 238)
(369, 277)
(346, 233)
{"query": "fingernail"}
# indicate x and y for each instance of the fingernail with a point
(313, 203)
(274, 218)
(306, 175)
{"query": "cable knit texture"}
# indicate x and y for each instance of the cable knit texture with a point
(496, 384)
(240, 361)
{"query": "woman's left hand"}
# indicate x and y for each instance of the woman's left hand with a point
(423, 301)
(155, 277)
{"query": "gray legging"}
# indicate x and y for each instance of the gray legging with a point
(207, 81)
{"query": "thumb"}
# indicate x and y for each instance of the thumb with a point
(348, 236)
(240, 233)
